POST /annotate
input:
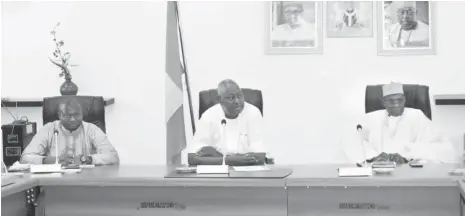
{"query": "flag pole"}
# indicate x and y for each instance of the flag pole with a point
(186, 76)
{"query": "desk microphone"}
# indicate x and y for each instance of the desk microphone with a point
(55, 133)
(223, 125)
(360, 129)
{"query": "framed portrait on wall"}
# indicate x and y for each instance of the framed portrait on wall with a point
(406, 28)
(349, 19)
(294, 27)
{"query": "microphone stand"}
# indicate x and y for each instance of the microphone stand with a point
(56, 146)
(223, 125)
(364, 170)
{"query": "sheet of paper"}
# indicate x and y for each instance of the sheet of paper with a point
(28, 128)
(86, 166)
(19, 167)
(250, 168)
(72, 170)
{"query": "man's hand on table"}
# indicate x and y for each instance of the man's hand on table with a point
(242, 159)
(381, 157)
(63, 160)
(48, 160)
(77, 160)
(208, 151)
(398, 158)
(390, 157)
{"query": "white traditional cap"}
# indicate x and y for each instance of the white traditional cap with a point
(392, 88)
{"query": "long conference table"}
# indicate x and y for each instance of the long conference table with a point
(309, 190)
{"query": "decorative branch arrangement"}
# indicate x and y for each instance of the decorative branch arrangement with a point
(61, 59)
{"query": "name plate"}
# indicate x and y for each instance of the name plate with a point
(212, 169)
(355, 172)
(46, 168)
(250, 168)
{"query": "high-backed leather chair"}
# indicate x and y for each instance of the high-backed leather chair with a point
(93, 109)
(417, 97)
(208, 98)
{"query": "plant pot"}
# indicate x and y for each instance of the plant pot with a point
(68, 88)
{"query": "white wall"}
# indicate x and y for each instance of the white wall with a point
(309, 100)
(120, 49)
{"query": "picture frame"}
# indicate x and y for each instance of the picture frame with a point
(418, 17)
(294, 27)
(349, 19)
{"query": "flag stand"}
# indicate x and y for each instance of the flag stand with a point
(186, 76)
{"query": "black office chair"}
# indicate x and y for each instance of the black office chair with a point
(93, 109)
(208, 98)
(417, 97)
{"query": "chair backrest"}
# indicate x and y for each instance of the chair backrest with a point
(208, 98)
(417, 97)
(93, 109)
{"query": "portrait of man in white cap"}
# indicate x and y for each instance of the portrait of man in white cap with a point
(293, 24)
(406, 29)
(399, 134)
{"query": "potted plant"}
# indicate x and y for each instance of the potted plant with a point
(61, 59)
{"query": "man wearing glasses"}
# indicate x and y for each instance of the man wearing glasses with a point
(399, 134)
(79, 142)
(230, 130)
(296, 32)
(408, 31)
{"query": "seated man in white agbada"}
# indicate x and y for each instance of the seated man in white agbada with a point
(232, 128)
(399, 134)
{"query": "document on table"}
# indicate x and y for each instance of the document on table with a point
(86, 166)
(250, 168)
(17, 167)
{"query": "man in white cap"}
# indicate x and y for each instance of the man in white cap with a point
(296, 32)
(399, 134)
(408, 31)
(232, 128)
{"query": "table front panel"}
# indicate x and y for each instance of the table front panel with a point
(166, 201)
(374, 201)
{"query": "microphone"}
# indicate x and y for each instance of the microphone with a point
(55, 133)
(223, 125)
(359, 129)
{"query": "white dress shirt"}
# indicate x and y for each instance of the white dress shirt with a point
(240, 135)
